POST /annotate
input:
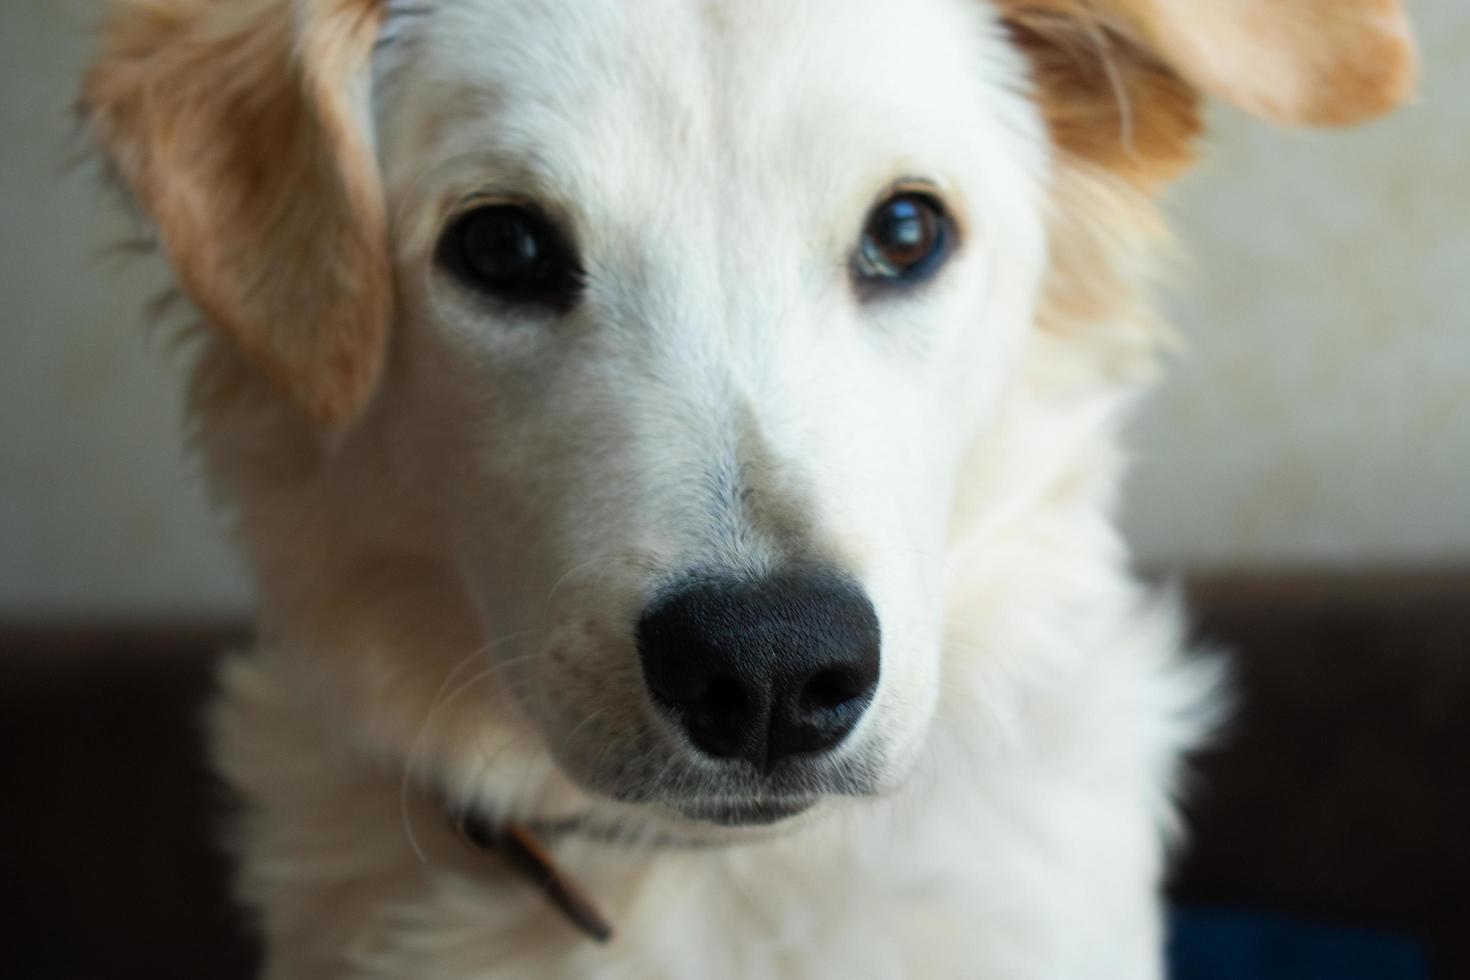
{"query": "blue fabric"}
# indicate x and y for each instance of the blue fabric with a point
(1226, 944)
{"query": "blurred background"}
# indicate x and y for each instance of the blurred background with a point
(1305, 466)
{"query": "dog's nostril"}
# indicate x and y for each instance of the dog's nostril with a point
(724, 697)
(830, 689)
(719, 718)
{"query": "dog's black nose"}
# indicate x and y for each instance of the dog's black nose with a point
(762, 670)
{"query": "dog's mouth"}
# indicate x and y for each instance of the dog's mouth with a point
(753, 813)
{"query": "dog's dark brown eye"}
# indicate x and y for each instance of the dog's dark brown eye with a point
(513, 253)
(906, 238)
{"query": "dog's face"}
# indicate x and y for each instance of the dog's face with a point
(703, 326)
(681, 320)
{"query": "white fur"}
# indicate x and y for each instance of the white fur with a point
(447, 589)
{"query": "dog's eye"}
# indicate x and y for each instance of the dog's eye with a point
(906, 238)
(513, 253)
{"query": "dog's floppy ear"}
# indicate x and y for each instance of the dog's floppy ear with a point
(1119, 80)
(241, 127)
(1304, 62)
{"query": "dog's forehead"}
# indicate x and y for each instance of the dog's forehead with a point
(587, 100)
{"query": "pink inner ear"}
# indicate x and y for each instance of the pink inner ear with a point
(1305, 62)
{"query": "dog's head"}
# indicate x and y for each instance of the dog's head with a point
(681, 342)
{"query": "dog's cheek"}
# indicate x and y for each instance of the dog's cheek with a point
(585, 691)
(905, 595)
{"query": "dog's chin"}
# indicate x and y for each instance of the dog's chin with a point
(719, 823)
(665, 825)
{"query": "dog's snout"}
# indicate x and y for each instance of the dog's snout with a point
(763, 670)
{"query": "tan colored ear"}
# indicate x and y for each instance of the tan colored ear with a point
(240, 125)
(1118, 80)
(1107, 99)
(1306, 62)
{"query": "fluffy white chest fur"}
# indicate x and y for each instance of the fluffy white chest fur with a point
(1043, 861)
(689, 430)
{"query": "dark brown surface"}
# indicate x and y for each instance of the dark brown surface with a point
(1341, 791)
(108, 867)
(1342, 788)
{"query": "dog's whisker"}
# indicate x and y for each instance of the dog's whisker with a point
(562, 579)
(567, 740)
(497, 766)
(596, 776)
(416, 745)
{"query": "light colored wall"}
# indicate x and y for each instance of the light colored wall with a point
(99, 512)
(1320, 416)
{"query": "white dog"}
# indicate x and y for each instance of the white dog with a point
(676, 443)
